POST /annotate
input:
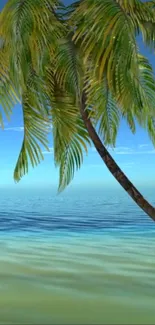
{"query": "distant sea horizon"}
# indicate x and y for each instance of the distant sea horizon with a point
(80, 257)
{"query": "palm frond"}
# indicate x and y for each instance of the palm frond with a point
(129, 117)
(143, 16)
(68, 66)
(107, 34)
(138, 103)
(36, 127)
(150, 127)
(143, 90)
(30, 27)
(9, 96)
(72, 155)
(104, 110)
(69, 134)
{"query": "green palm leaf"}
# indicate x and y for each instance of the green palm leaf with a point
(8, 94)
(30, 27)
(36, 129)
(143, 90)
(36, 124)
(69, 134)
(110, 42)
(143, 16)
(104, 110)
(68, 69)
(72, 155)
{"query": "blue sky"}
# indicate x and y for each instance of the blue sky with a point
(134, 153)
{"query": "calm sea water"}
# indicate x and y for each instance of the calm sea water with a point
(83, 257)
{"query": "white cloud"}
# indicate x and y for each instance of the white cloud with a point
(15, 128)
(19, 128)
(48, 152)
(145, 145)
(94, 165)
(148, 152)
(118, 150)
(122, 151)
(128, 165)
(129, 151)
(121, 165)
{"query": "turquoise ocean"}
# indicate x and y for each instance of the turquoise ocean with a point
(86, 256)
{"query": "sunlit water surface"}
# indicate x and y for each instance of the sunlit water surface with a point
(78, 258)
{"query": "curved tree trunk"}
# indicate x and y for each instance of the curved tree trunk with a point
(113, 167)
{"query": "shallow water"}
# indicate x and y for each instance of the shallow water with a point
(75, 258)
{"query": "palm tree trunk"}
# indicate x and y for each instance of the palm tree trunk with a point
(112, 166)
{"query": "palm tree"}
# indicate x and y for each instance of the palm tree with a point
(79, 69)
